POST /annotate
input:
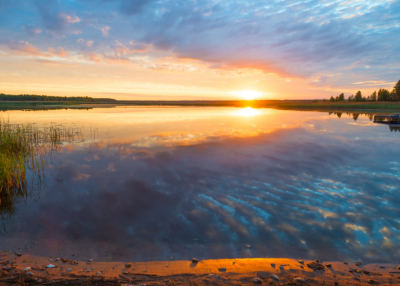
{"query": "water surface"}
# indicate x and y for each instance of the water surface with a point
(155, 183)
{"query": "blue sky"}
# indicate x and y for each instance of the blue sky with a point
(167, 49)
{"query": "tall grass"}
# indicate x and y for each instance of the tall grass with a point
(23, 151)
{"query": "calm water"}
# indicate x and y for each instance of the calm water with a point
(144, 184)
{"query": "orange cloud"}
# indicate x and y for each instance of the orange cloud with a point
(113, 60)
(25, 48)
(60, 52)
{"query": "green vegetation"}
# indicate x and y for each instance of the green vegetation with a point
(33, 97)
(23, 150)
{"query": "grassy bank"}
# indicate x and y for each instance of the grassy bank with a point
(306, 105)
(34, 103)
(278, 104)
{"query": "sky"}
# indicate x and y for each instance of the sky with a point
(198, 49)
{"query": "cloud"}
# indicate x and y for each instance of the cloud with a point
(131, 48)
(25, 48)
(115, 59)
(60, 52)
(105, 30)
(53, 20)
(132, 7)
(92, 56)
(32, 31)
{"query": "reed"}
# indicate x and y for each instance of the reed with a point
(23, 153)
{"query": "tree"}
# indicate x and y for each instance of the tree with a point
(396, 89)
(341, 97)
(332, 99)
(383, 94)
(373, 96)
(351, 98)
(358, 96)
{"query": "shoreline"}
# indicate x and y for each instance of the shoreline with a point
(378, 106)
(251, 271)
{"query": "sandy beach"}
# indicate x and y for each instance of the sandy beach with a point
(34, 270)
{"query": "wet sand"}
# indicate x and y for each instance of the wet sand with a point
(204, 272)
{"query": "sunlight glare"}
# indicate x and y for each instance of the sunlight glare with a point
(248, 94)
(247, 112)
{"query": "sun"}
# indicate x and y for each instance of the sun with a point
(248, 94)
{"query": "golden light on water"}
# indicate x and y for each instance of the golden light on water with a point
(247, 112)
(248, 94)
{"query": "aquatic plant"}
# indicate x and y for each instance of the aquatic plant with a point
(23, 151)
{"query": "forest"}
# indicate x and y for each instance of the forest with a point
(33, 97)
(383, 94)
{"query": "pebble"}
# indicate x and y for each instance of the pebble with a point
(27, 269)
(222, 269)
(18, 254)
(7, 268)
(358, 263)
(345, 262)
(282, 266)
(50, 266)
(216, 276)
(30, 273)
(381, 266)
(97, 272)
(90, 260)
(257, 280)
(195, 260)
(318, 261)
(69, 269)
(328, 265)
(128, 265)
(299, 279)
(248, 245)
(301, 261)
(398, 267)
(58, 259)
(273, 264)
(274, 276)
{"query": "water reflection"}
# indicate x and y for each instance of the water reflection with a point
(318, 188)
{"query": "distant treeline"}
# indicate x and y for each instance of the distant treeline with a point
(382, 95)
(34, 97)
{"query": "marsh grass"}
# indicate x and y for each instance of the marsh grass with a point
(24, 150)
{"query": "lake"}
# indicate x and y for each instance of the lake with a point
(155, 183)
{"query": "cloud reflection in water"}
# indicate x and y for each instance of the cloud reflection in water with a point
(310, 192)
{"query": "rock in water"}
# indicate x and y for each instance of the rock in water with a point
(195, 260)
(128, 265)
(274, 277)
(257, 280)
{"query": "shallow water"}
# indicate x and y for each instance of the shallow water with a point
(142, 184)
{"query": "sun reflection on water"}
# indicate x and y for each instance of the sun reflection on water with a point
(247, 112)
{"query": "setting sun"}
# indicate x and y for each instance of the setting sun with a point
(248, 94)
